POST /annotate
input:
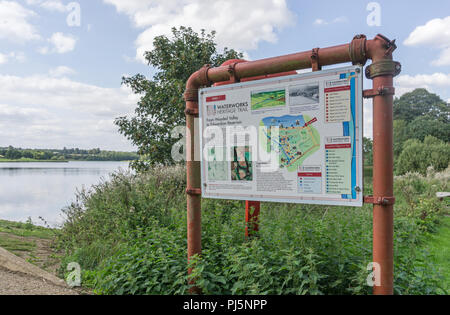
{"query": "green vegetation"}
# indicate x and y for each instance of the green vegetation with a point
(11, 154)
(419, 114)
(418, 156)
(421, 133)
(129, 235)
(16, 245)
(161, 107)
(32, 243)
(438, 245)
(27, 229)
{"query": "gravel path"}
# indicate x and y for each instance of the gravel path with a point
(13, 283)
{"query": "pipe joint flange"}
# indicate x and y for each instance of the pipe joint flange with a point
(357, 50)
(315, 63)
(390, 45)
(232, 71)
(203, 75)
(194, 191)
(191, 95)
(383, 67)
(192, 112)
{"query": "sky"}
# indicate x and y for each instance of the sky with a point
(62, 62)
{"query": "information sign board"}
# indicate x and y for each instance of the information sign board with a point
(295, 139)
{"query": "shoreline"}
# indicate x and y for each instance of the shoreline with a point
(32, 161)
(50, 161)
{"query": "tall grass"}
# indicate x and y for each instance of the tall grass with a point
(129, 235)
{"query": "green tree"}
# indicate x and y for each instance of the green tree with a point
(161, 107)
(423, 126)
(13, 153)
(401, 134)
(419, 114)
(418, 103)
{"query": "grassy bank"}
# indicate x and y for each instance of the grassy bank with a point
(30, 242)
(438, 245)
(129, 235)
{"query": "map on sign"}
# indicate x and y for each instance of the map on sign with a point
(295, 139)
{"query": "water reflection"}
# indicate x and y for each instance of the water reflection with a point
(43, 189)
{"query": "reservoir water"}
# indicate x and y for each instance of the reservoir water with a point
(43, 189)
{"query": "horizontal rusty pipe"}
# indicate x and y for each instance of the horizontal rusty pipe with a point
(357, 52)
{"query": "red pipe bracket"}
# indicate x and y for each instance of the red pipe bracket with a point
(380, 201)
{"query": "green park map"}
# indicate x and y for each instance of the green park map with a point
(298, 139)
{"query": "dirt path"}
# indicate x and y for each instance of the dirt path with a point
(40, 252)
(14, 283)
(29, 263)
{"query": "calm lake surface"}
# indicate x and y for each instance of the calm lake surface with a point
(43, 189)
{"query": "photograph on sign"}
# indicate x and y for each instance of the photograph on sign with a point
(295, 139)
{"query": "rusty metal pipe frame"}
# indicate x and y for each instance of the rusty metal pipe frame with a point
(379, 50)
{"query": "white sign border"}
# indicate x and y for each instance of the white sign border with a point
(359, 126)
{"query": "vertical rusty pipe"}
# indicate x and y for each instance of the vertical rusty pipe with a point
(383, 215)
(194, 219)
(383, 162)
(193, 177)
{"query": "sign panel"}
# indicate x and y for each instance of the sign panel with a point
(295, 139)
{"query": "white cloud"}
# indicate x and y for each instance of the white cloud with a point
(54, 5)
(61, 71)
(435, 33)
(61, 44)
(45, 111)
(431, 82)
(15, 25)
(12, 56)
(320, 22)
(51, 5)
(444, 58)
(239, 24)
(340, 19)
(19, 115)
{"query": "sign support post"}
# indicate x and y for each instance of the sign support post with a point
(382, 71)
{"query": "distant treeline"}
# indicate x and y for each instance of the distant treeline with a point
(11, 153)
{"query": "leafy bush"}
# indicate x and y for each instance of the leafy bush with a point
(418, 156)
(299, 250)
